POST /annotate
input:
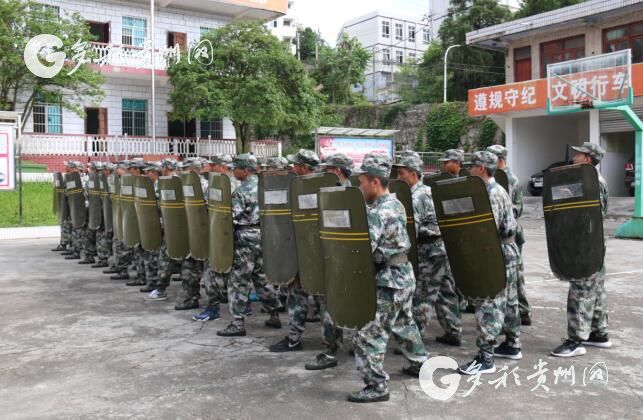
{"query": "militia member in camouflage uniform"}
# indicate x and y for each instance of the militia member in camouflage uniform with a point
(499, 314)
(395, 286)
(166, 265)
(152, 170)
(66, 225)
(123, 255)
(587, 299)
(435, 286)
(342, 166)
(247, 265)
(516, 194)
(144, 261)
(304, 163)
(104, 236)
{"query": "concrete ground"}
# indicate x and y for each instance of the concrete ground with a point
(74, 344)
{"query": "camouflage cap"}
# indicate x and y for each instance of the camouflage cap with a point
(222, 159)
(498, 150)
(593, 150)
(192, 163)
(277, 163)
(109, 166)
(453, 154)
(96, 165)
(152, 166)
(377, 165)
(339, 160)
(486, 159)
(245, 161)
(170, 164)
(305, 157)
(411, 160)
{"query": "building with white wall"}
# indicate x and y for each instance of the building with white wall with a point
(124, 26)
(285, 27)
(534, 138)
(393, 40)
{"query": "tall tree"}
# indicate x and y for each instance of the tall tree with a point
(253, 79)
(533, 7)
(307, 44)
(19, 22)
(340, 69)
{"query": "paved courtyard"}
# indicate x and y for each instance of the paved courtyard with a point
(74, 344)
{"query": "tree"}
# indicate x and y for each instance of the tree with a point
(307, 44)
(21, 21)
(253, 79)
(340, 69)
(533, 7)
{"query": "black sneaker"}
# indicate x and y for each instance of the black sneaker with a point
(120, 276)
(505, 351)
(449, 340)
(184, 306)
(598, 340)
(87, 261)
(370, 394)
(72, 257)
(479, 364)
(100, 264)
(569, 348)
(286, 345)
(111, 270)
(413, 369)
(525, 320)
(322, 361)
(136, 282)
(67, 252)
(147, 289)
(232, 331)
(59, 248)
(313, 318)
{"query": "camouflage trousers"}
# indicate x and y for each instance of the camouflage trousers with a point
(523, 303)
(331, 334)
(393, 316)
(66, 233)
(123, 256)
(247, 270)
(191, 273)
(435, 289)
(103, 245)
(587, 307)
(499, 315)
(76, 240)
(216, 287)
(150, 267)
(297, 304)
(89, 242)
(166, 267)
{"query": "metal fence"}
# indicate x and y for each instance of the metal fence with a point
(106, 146)
(432, 160)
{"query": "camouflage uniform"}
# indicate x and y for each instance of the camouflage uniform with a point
(247, 265)
(395, 286)
(87, 235)
(66, 230)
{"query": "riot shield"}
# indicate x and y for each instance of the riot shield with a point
(131, 236)
(175, 221)
(95, 203)
(221, 249)
(432, 179)
(76, 199)
(349, 274)
(403, 193)
(55, 208)
(354, 178)
(197, 213)
(147, 214)
(470, 236)
(107, 182)
(305, 217)
(502, 179)
(573, 221)
(61, 198)
(277, 233)
(117, 209)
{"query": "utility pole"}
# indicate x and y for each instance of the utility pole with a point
(373, 75)
(153, 35)
(445, 69)
(317, 39)
(298, 49)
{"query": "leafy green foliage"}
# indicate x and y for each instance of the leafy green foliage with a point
(444, 125)
(253, 80)
(533, 7)
(307, 43)
(488, 130)
(36, 205)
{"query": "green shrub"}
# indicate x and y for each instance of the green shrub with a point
(444, 126)
(488, 132)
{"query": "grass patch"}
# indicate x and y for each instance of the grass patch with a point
(37, 199)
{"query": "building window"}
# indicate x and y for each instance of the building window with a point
(212, 128)
(275, 24)
(47, 118)
(386, 56)
(287, 22)
(399, 32)
(134, 31)
(522, 64)
(561, 50)
(624, 37)
(427, 35)
(386, 29)
(134, 117)
(205, 30)
(100, 31)
(399, 57)
(412, 57)
(411, 33)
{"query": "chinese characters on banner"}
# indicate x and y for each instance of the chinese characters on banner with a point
(7, 181)
(508, 98)
(355, 148)
(604, 85)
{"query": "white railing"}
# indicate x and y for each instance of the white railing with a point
(129, 146)
(128, 56)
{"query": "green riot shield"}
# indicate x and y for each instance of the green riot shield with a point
(277, 233)
(76, 199)
(403, 193)
(221, 249)
(55, 208)
(354, 178)
(305, 217)
(573, 221)
(502, 179)
(432, 179)
(107, 182)
(147, 214)
(197, 213)
(347, 257)
(95, 204)
(61, 198)
(464, 172)
(175, 221)
(117, 209)
(470, 236)
(131, 236)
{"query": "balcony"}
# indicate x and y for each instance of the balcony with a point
(263, 10)
(130, 58)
